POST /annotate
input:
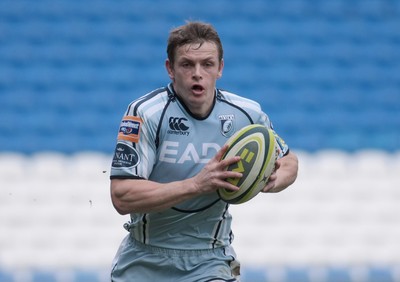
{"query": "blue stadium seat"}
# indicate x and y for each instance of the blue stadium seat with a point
(297, 274)
(6, 276)
(338, 274)
(43, 276)
(380, 274)
(253, 275)
(86, 276)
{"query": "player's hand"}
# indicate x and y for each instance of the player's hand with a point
(214, 174)
(272, 179)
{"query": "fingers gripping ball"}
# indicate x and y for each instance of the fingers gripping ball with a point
(257, 148)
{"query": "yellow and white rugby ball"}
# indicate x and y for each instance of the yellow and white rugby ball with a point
(257, 147)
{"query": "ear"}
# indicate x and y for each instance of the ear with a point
(221, 67)
(170, 69)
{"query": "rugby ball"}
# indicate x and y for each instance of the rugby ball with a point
(257, 147)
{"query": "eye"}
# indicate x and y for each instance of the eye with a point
(186, 64)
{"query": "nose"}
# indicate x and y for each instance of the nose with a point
(197, 72)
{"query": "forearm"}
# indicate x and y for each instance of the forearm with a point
(286, 174)
(130, 196)
(137, 195)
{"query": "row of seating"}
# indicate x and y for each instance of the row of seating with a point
(270, 68)
(259, 53)
(120, 30)
(289, 8)
(94, 123)
(251, 274)
(50, 137)
(308, 105)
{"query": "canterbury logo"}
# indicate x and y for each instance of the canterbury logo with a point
(177, 124)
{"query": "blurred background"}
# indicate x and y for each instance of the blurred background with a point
(326, 72)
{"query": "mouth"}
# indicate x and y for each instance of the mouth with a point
(197, 89)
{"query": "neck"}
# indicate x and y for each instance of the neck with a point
(199, 112)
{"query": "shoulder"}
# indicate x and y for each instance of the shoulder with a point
(239, 101)
(149, 103)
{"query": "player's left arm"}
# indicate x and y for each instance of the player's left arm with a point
(284, 175)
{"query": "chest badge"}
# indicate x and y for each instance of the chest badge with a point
(227, 125)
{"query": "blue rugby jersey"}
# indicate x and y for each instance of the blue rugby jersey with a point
(160, 140)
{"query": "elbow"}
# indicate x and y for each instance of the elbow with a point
(120, 208)
(119, 205)
(117, 199)
(288, 172)
(293, 169)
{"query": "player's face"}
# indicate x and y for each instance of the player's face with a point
(194, 74)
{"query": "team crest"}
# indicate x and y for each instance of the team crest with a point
(227, 125)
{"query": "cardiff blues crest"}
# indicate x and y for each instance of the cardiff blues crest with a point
(227, 125)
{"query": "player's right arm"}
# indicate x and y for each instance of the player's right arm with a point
(143, 196)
